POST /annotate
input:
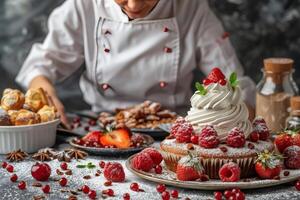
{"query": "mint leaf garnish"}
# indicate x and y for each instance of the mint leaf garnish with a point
(201, 90)
(90, 165)
(81, 166)
(233, 80)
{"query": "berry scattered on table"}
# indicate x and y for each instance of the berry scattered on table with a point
(218, 195)
(230, 172)
(4, 164)
(160, 188)
(22, 185)
(135, 187)
(41, 171)
(85, 189)
(126, 196)
(108, 192)
(113, 171)
(13, 178)
(63, 182)
(10, 168)
(46, 189)
(174, 194)
(165, 195)
(92, 194)
(64, 166)
(102, 164)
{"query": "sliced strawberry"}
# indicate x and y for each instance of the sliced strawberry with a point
(119, 138)
(93, 136)
(215, 75)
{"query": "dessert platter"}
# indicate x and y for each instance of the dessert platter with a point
(112, 142)
(216, 147)
(24, 118)
(145, 118)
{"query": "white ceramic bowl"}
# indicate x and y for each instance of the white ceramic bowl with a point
(29, 138)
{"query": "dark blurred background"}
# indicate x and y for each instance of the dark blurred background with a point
(258, 29)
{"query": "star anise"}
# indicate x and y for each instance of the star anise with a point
(51, 152)
(41, 156)
(75, 153)
(63, 157)
(18, 155)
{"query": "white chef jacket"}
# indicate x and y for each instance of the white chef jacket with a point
(127, 61)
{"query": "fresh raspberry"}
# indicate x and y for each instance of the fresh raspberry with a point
(254, 136)
(113, 171)
(230, 172)
(184, 133)
(142, 162)
(236, 138)
(292, 157)
(208, 137)
(215, 75)
(179, 121)
(261, 128)
(154, 155)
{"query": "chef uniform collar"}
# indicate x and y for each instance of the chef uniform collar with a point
(163, 10)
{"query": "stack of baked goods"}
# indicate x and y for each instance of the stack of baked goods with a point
(217, 131)
(147, 115)
(18, 109)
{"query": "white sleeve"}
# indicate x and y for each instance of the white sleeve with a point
(61, 53)
(215, 50)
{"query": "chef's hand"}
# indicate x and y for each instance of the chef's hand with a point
(251, 111)
(43, 82)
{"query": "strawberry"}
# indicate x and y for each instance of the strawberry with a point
(286, 139)
(119, 138)
(93, 136)
(142, 161)
(113, 171)
(268, 165)
(189, 168)
(154, 154)
(215, 75)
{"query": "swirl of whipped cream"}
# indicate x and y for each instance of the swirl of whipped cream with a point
(218, 97)
(222, 108)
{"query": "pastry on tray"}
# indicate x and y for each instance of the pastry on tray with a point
(147, 115)
(12, 99)
(217, 129)
(35, 99)
(26, 117)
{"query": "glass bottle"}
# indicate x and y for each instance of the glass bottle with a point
(274, 92)
(293, 121)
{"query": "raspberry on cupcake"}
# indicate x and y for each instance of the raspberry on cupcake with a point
(236, 138)
(208, 137)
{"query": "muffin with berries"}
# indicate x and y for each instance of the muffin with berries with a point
(217, 129)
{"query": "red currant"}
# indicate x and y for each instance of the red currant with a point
(174, 194)
(297, 185)
(22, 185)
(134, 187)
(10, 168)
(194, 139)
(108, 192)
(46, 189)
(92, 194)
(227, 194)
(254, 136)
(160, 188)
(4, 164)
(165, 195)
(86, 128)
(235, 190)
(63, 181)
(64, 166)
(239, 196)
(14, 178)
(102, 164)
(222, 82)
(218, 195)
(92, 122)
(85, 189)
(158, 169)
(126, 196)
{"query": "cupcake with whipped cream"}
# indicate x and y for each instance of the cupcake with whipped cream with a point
(217, 129)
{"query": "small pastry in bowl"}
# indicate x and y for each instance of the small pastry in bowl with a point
(12, 99)
(35, 99)
(12, 116)
(26, 117)
(4, 118)
(47, 113)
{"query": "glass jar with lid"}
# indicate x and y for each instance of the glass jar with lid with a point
(274, 92)
(293, 121)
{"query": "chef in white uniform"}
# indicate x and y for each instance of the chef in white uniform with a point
(133, 50)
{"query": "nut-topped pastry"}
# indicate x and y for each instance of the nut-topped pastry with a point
(217, 129)
(26, 117)
(12, 99)
(35, 99)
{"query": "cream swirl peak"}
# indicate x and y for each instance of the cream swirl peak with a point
(219, 103)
